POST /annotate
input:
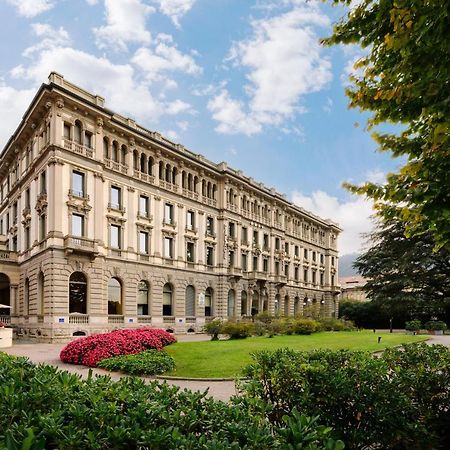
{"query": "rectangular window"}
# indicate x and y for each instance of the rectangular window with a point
(314, 256)
(116, 197)
(66, 131)
(286, 248)
(231, 258)
(27, 198)
(244, 262)
(15, 213)
(43, 183)
(255, 263)
(78, 183)
(296, 273)
(244, 235)
(27, 238)
(266, 241)
(313, 276)
(265, 265)
(209, 256)
(255, 237)
(277, 243)
(143, 242)
(14, 244)
(168, 247)
(209, 226)
(321, 278)
(277, 268)
(332, 261)
(305, 275)
(42, 227)
(115, 237)
(286, 270)
(168, 213)
(305, 253)
(231, 229)
(143, 206)
(77, 225)
(332, 280)
(296, 250)
(190, 222)
(190, 252)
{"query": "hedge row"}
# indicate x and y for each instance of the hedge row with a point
(42, 407)
(397, 401)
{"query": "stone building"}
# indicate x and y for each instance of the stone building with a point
(352, 288)
(104, 224)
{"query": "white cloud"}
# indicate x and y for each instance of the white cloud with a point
(164, 58)
(31, 8)
(177, 107)
(91, 2)
(171, 134)
(353, 216)
(284, 62)
(125, 23)
(328, 105)
(13, 104)
(231, 116)
(376, 176)
(175, 9)
(51, 37)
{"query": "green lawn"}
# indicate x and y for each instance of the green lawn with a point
(226, 358)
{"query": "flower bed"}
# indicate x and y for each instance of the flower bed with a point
(88, 351)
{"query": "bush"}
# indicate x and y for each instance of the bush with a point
(436, 325)
(397, 401)
(237, 330)
(333, 324)
(413, 325)
(43, 407)
(92, 349)
(213, 329)
(150, 362)
(305, 326)
(264, 317)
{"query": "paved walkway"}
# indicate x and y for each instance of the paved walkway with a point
(221, 390)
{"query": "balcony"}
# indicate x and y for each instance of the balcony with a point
(144, 319)
(77, 244)
(8, 256)
(78, 148)
(115, 319)
(144, 177)
(78, 194)
(257, 275)
(78, 319)
(280, 279)
(116, 165)
(235, 272)
(168, 186)
(116, 207)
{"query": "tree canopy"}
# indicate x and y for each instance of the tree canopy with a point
(405, 79)
(405, 276)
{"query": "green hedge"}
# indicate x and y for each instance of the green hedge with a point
(150, 362)
(400, 400)
(42, 407)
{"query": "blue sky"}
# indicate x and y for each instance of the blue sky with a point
(244, 81)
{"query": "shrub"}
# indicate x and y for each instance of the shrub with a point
(92, 349)
(213, 329)
(333, 324)
(237, 330)
(305, 326)
(264, 317)
(398, 401)
(434, 325)
(260, 328)
(150, 362)
(43, 407)
(413, 325)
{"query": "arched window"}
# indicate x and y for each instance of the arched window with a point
(190, 301)
(174, 175)
(204, 188)
(168, 173)
(286, 305)
(161, 170)
(41, 293)
(183, 179)
(150, 166)
(115, 151)
(255, 303)
(214, 191)
(189, 182)
(209, 190)
(143, 298)
(243, 303)
(77, 132)
(136, 160)
(77, 293)
(143, 163)
(195, 183)
(277, 304)
(208, 302)
(167, 300)
(114, 296)
(123, 154)
(230, 303)
(26, 297)
(105, 148)
(296, 306)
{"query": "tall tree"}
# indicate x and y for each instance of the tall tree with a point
(406, 277)
(405, 79)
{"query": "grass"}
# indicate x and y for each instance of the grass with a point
(223, 359)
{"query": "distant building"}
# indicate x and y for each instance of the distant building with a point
(104, 224)
(352, 288)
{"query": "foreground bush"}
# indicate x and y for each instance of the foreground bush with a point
(398, 401)
(237, 330)
(44, 408)
(333, 324)
(150, 362)
(92, 349)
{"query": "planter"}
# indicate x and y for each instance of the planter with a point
(6, 335)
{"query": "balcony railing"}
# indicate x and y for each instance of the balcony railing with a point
(116, 165)
(144, 319)
(6, 255)
(78, 194)
(78, 148)
(115, 319)
(6, 320)
(144, 176)
(257, 275)
(79, 319)
(80, 244)
(235, 271)
(280, 279)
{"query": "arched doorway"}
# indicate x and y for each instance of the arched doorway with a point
(190, 301)
(5, 300)
(114, 296)
(78, 293)
(230, 303)
(255, 303)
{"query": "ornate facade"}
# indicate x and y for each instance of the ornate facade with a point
(104, 224)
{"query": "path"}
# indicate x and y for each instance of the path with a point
(220, 390)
